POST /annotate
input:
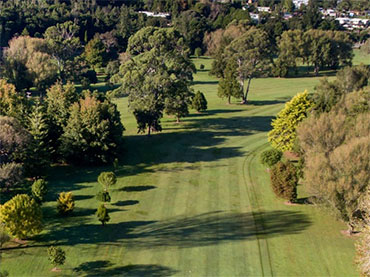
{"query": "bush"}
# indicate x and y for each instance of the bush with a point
(57, 256)
(21, 216)
(102, 214)
(284, 181)
(11, 174)
(103, 196)
(107, 179)
(65, 203)
(201, 66)
(39, 190)
(199, 102)
(198, 52)
(271, 157)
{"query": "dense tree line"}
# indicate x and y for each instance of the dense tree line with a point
(331, 138)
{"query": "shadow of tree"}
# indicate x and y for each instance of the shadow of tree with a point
(201, 230)
(137, 188)
(126, 203)
(106, 268)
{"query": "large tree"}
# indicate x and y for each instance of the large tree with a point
(229, 86)
(157, 76)
(336, 150)
(27, 63)
(252, 55)
(93, 133)
(63, 43)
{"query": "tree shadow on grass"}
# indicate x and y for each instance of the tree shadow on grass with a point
(126, 203)
(106, 268)
(201, 230)
(205, 82)
(267, 102)
(137, 188)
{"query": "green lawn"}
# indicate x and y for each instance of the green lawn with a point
(192, 200)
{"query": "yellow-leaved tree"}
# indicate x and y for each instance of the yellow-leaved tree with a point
(284, 134)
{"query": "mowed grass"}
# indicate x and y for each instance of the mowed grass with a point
(192, 200)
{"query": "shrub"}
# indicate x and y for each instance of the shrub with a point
(57, 256)
(11, 174)
(65, 203)
(102, 214)
(199, 102)
(198, 52)
(21, 216)
(39, 190)
(103, 196)
(284, 181)
(107, 179)
(201, 66)
(271, 157)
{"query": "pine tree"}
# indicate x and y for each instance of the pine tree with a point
(39, 190)
(199, 102)
(229, 86)
(39, 152)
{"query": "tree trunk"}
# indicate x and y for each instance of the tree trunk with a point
(228, 100)
(149, 128)
(177, 119)
(245, 97)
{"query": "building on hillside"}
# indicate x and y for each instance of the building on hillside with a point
(264, 9)
(153, 14)
(299, 3)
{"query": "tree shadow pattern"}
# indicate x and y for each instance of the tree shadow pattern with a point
(200, 230)
(106, 268)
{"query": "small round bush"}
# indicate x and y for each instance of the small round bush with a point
(107, 179)
(103, 196)
(284, 181)
(39, 190)
(57, 255)
(271, 157)
(201, 66)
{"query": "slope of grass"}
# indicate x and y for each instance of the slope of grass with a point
(191, 201)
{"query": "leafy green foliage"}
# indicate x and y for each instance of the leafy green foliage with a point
(102, 214)
(22, 216)
(103, 196)
(94, 52)
(39, 190)
(4, 236)
(107, 179)
(11, 175)
(39, 150)
(57, 255)
(65, 203)
(229, 86)
(198, 52)
(199, 102)
(283, 134)
(271, 157)
(284, 181)
(251, 53)
(93, 132)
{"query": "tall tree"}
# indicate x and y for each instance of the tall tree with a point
(252, 55)
(63, 43)
(229, 86)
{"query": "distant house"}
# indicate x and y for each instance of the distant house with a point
(255, 17)
(264, 9)
(152, 14)
(299, 3)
